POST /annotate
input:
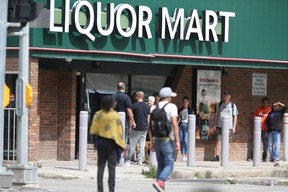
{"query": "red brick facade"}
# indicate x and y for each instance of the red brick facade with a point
(52, 117)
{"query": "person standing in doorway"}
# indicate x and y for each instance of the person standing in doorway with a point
(224, 108)
(273, 123)
(141, 113)
(262, 112)
(165, 146)
(183, 112)
(107, 127)
(123, 104)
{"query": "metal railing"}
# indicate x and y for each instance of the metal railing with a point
(10, 130)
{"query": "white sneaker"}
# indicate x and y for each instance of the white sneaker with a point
(139, 163)
(185, 158)
(127, 164)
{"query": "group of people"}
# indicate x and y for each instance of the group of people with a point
(111, 144)
(271, 118)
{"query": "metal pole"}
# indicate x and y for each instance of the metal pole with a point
(22, 119)
(6, 177)
(257, 141)
(191, 140)
(3, 39)
(225, 141)
(285, 127)
(83, 135)
(23, 172)
(122, 117)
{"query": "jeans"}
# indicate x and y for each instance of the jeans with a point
(107, 151)
(165, 157)
(126, 131)
(274, 140)
(134, 137)
(264, 139)
(183, 138)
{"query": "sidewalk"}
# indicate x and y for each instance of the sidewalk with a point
(201, 170)
(241, 172)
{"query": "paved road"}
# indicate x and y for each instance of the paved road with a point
(145, 185)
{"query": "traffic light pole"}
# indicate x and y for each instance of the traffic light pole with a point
(23, 172)
(5, 177)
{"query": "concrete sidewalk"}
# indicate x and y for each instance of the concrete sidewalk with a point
(242, 172)
(201, 170)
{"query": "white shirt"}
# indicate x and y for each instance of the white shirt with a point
(226, 110)
(171, 111)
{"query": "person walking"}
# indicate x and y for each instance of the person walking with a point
(107, 127)
(224, 108)
(141, 113)
(165, 146)
(263, 112)
(124, 104)
(183, 112)
(273, 123)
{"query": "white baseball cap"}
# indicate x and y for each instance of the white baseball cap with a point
(167, 92)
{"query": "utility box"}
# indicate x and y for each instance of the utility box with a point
(6, 178)
(24, 174)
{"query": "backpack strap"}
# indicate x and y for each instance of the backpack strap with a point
(164, 105)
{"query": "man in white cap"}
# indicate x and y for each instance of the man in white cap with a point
(165, 146)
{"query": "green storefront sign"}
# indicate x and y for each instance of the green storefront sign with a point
(204, 32)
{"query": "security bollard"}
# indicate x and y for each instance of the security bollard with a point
(122, 117)
(191, 140)
(83, 134)
(285, 144)
(257, 141)
(225, 141)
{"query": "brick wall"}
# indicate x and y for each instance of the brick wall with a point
(34, 120)
(66, 115)
(57, 108)
(239, 83)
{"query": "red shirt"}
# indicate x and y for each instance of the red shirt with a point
(263, 113)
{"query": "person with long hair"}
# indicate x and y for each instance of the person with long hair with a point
(107, 127)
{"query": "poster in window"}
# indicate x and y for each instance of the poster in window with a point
(208, 95)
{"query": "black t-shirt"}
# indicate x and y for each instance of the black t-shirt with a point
(140, 112)
(123, 102)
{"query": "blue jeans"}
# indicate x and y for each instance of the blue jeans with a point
(165, 157)
(126, 132)
(264, 139)
(274, 140)
(183, 138)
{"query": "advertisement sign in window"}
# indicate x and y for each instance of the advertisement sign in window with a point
(208, 95)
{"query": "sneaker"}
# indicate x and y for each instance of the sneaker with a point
(139, 163)
(159, 186)
(216, 158)
(185, 159)
(127, 164)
